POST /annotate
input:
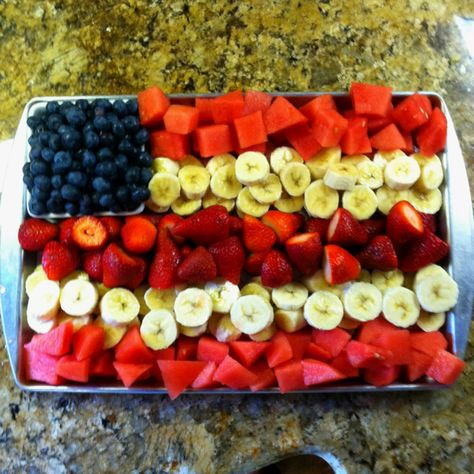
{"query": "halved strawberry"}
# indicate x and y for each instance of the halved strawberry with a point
(305, 251)
(59, 260)
(65, 231)
(164, 267)
(373, 227)
(284, 224)
(254, 262)
(34, 234)
(88, 233)
(235, 225)
(344, 229)
(429, 221)
(229, 256)
(276, 270)
(257, 236)
(378, 254)
(339, 265)
(92, 264)
(113, 226)
(317, 224)
(121, 269)
(138, 235)
(197, 267)
(404, 223)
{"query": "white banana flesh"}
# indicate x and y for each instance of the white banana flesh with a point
(119, 306)
(164, 189)
(429, 202)
(401, 173)
(225, 330)
(388, 197)
(431, 176)
(400, 307)
(210, 199)
(268, 190)
(34, 279)
(224, 182)
(160, 299)
(289, 204)
(362, 301)
(247, 204)
(381, 158)
(223, 294)
(251, 313)
(165, 165)
(77, 321)
(253, 288)
(193, 307)
(295, 178)
(323, 310)
(370, 174)
(251, 167)
(437, 293)
(389, 279)
(219, 161)
(265, 334)
(290, 320)
(319, 164)
(158, 329)
(43, 304)
(317, 282)
(194, 181)
(283, 155)
(185, 207)
(291, 296)
(361, 202)
(430, 322)
(113, 333)
(320, 200)
(78, 297)
(192, 332)
(341, 177)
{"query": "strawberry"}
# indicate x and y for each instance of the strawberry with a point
(254, 262)
(284, 224)
(421, 252)
(339, 265)
(186, 250)
(404, 223)
(317, 224)
(65, 231)
(198, 267)
(256, 235)
(378, 254)
(229, 256)
(205, 227)
(305, 251)
(59, 260)
(120, 268)
(165, 263)
(88, 233)
(345, 230)
(276, 270)
(113, 226)
(137, 277)
(429, 221)
(235, 225)
(92, 264)
(373, 227)
(138, 235)
(34, 234)
(152, 218)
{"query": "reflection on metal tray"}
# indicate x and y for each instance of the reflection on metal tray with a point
(455, 222)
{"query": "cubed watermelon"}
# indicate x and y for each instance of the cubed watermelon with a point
(40, 367)
(362, 355)
(431, 137)
(186, 348)
(381, 376)
(203, 104)
(102, 365)
(313, 351)
(88, 341)
(162, 354)
(371, 330)
(290, 376)
(131, 373)
(132, 350)
(179, 374)
(265, 377)
(281, 115)
(428, 342)
(248, 352)
(408, 148)
(375, 124)
(169, 145)
(355, 140)
(412, 112)
(181, 119)
(210, 349)
(279, 350)
(227, 107)
(255, 101)
(70, 368)
(333, 340)
(316, 372)
(389, 138)
(214, 140)
(418, 365)
(250, 130)
(328, 127)
(299, 341)
(370, 99)
(445, 367)
(261, 148)
(341, 363)
(322, 102)
(233, 374)
(398, 342)
(205, 379)
(302, 139)
(152, 106)
(56, 342)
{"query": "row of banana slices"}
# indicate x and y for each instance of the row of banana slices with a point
(227, 312)
(252, 183)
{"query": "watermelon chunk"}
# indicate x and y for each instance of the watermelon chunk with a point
(375, 124)
(56, 342)
(169, 145)
(302, 139)
(313, 351)
(265, 377)
(371, 330)
(250, 130)
(428, 342)
(255, 101)
(290, 376)
(328, 127)
(227, 107)
(131, 373)
(179, 374)
(205, 379)
(279, 350)
(203, 104)
(40, 367)
(445, 367)
(132, 350)
(181, 119)
(341, 363)
(409, 148)
(418, 365)
(282, 115)
(299, 341)
(389, 138)
(214, 140)
(233, 374)
(102, 365)
(260, 147)
(186, 348)
(152, 105)
(398, 343)
(248, 352)
(316, 372)
(431, 137)
(70, 368)
(323, 102)
(362, 355)
(333, 340)
(88, 341)
(162, 354)
(210, 349)
(412, 112)
(355, 140)
(381, 376)
(370, 99)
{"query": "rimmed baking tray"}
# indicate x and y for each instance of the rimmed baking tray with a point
(455, 222)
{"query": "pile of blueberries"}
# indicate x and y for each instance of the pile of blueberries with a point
(87, 157)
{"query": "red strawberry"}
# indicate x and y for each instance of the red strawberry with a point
(113, 226)
(152, 218)
(34, 234)
(421, 252)
(137, 277)
(198, 267)
(138, 235)
(429, 221)
(339, 265)
(256, 235)
(284, 224)
(235, 225)
(88, 233)
(378, 254)
(345, 230)
(92, 264)
(404, 223)
(65, 231)
(59, 260)
(254, 262)
(169, 222)
(317, 224)
(373, 227)
(120, 268)
(205, 227)
(165, 263)
(276, 270)
(229, 256)
(186, 250)
(305, 251)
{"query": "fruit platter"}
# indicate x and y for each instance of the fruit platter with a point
(236, 243)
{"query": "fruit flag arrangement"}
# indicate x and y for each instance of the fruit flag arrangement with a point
(294, 247)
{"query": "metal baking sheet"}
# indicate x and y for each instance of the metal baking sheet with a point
(455, 221)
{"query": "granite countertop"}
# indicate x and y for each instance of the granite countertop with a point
(67, 47)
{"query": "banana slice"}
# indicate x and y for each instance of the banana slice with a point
(160, 299)
(34, 279)
(250, 314)
(154, 208)
(400, 306)
(184, 206)
(101, 288)
(364, 275)
(43, 304)
(140, 295)
(437, 293)
(267, 191)
(246, 204)
(323, 310)
(291, 296)
(401, 173)
(38, 325)
(370, 174)
(361, 202)
(194, 181)
(164, 189)
(362, 301)
(349, 323)
(317, 282)
(251, 167)
(265, 334)
(210, 199)
(289, 204)
(341, 177)
(78, 297)
(385, 280)
(431, 175)
(428, 202)
(409, 280)
(295, 178)
(283, 155)
(290, 321)
(193, 307)
(381, 158)
(219, 161)
(253, 288)
(190, 160)
(427, 271)
(355, 160)
(159, 329)
(223, 294)
(77, 321)
(388, 197)
(192, 332)
(113, 333)
(119, 306)
(319, 164)
(224, 183)
(320, 200)
(212, 323)
(76, 275)
(430, 322)
(225, 330)
(165, 165)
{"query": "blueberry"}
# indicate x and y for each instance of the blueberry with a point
(70, 193)
(33, 140)
(28, 180)
(39, 194)
(105, 154)
(38, 167)
(44, 138)
(35, 153)
(83, 104)
(57, 181)
(120, 108)
(132, 175)
(76, 166)
(88, 159)
(55, 194)
(95, 199)
(132, 106)
(106, 169)
(99, 111)
(62, 162)
(141, 137)
(26, 168)
(122, 162)
(64, 107)
(104, 103)
(101, 123)
(71, 208)
(91, 139)
(33, 122)
(107, 139)
(56, 206)
(71, 140)
(112, 118)
(37, 207)
(107, 201)
(131, 123)
(54, 142)
(140, 195)
(52, 107)
(88, 127)
(144, 159)
(42, 182)
(145, 175)
(122, 194)
(54, 122)
(64, 128)
(101, 185)
(77, 178)
(118, 129)
(126, 147)
(85, 205)
(75, 116)
(47, 154)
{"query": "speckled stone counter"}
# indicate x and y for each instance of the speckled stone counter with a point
(73, 47)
